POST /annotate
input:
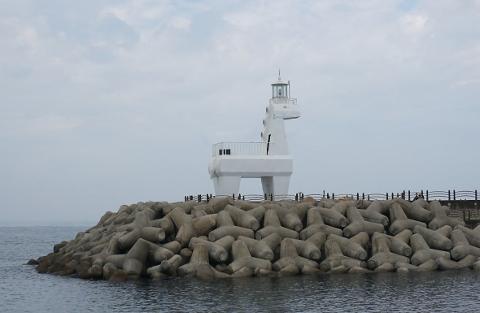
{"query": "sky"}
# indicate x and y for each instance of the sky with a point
(104, 103)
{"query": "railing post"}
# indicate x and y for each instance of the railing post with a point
(363, 196)
(265, 196)
(328, 195)
(333, 196)
(243, 197)
(302, 196)
(368, 196)
(386, 195)
(409, 195)
(448, 194)
(476, 195)
(358, 196)
(421, 193)
(427, 195)
(392, 196)
(454, 195)
(296, 197)
(271, 197)
(199, 198)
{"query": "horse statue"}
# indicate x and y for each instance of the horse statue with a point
(267, 159)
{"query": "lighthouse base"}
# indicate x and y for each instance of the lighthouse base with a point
(274, 172)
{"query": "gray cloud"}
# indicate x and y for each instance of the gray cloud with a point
(110, 102)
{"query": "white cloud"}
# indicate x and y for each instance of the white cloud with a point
(181, 23)
(139, 88)
(414, 23)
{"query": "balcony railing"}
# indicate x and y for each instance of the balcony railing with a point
(283, 100)
(239, 148)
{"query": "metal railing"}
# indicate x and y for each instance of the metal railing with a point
(445, 196)
(239, 148)
(283, 100)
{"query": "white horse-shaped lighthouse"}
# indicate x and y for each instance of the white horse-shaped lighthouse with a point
(268, 159)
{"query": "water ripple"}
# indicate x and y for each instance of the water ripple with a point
(24, 290)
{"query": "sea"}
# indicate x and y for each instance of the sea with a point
(22, 289)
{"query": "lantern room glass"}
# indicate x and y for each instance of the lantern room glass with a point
(280, 90)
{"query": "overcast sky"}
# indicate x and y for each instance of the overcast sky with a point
(110, 102)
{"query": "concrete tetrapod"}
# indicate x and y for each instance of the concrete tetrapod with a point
(164, 223)
(202, 225)
(140, 228)
(158, 253)
(416, 210)
(333, 217)
(435, 239)
(171, 265)
(342, 205)
(272, 225)
(380, 206)
(134, 263)
(316, 224)
(447, 264)
(358, 224)
(166, 268)
(349, 247)
(199, 265)
(440, 217)
(290, 263)
(399, 243)
(476, 266)
(318, 239)
(307, 249)
(381, 253)
(374, 217)
(215, 250)
(217, 204)
(159, 240)
(335, 259)
(242, 258)
(242, 218)
(422, 252)
(183, 224)
(289, 218)
(260, 248)
(461, 246)
(258, 213)
(400, 221)
(473, 235)
(227, 228)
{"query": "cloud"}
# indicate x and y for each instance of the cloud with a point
(181, 23)
(108, 102)
(414, 23)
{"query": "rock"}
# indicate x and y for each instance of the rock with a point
(231, 239)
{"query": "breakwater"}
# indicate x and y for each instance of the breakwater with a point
(225, 238)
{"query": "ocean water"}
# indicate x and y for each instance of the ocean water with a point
(22, 289)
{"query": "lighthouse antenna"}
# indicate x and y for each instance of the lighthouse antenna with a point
(279, 77)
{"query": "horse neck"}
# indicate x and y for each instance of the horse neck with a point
(275, 128)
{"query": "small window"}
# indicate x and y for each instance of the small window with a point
(220, 152)
(227, 151)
